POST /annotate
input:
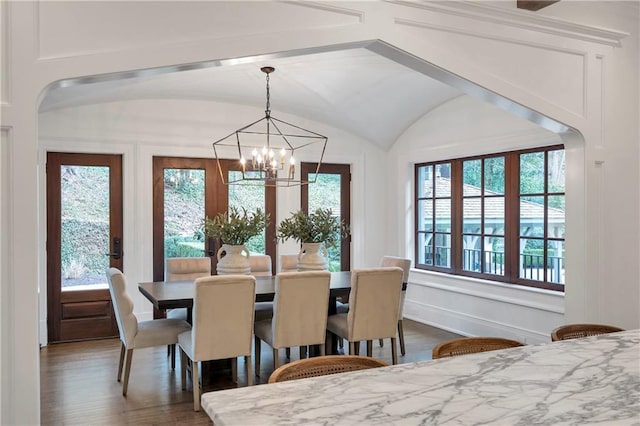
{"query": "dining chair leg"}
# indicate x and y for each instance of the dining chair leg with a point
(369, 348)
(381, 341)
(257, 355)
(303, 352)
(401, 337)
(276, 361)
(183, 369)
(127, 369)
(234, 369)
(123, 350)
(173, 357)
(287, 352)
(352, 348)
(322, 351)
(196, 385)
(394, 351)
(357, 348)
(247, 370)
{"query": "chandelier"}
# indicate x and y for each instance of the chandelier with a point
(268, 149)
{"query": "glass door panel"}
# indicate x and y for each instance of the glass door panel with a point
(184, 199)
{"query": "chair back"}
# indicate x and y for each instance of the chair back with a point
(260, 265)
(300, 308)
(288, 263)
(577, 331)
(405, 264)
(186, 268)
(374, 303)
(223, 316)
(323, 366)
(122, 306)
(471, 345)
(400, 262)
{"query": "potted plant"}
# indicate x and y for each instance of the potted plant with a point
(315, 232)
(233, 230)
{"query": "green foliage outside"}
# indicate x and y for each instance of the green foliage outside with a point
(84, 220)
(325, 193)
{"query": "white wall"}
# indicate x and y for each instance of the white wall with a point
(584, 77)
(142, 129)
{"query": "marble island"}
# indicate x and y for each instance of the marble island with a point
(575, 382)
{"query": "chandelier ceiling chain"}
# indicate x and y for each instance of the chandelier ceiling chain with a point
(265, 162)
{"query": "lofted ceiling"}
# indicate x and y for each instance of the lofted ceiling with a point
(356, 89)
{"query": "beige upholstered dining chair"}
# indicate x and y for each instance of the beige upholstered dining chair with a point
(577, 331)
(374, 301)
(134, 334)
(220, 329)
(185, 269)
(471, 345)
(323, 366)
(405, 264)
(261, 267)
(300, 310)
(288, 263)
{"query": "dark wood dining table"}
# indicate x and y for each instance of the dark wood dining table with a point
(165, 295)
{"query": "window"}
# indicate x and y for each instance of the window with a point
(498, 217)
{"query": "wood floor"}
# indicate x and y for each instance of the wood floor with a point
(78, 381)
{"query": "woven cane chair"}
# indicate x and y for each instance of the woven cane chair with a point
(577, 331)
(471, 345)
(323, 366)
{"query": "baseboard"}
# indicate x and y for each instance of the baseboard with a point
(473, 325)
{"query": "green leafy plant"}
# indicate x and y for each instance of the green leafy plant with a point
(236, 227)
(320, 226)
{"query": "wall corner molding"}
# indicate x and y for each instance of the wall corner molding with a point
(523, 20)
(328, 8)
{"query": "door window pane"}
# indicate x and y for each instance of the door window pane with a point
(251, 198)
(323, 194)
(183, 212)
(84, 226)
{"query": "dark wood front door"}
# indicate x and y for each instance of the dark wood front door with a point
(84, 239)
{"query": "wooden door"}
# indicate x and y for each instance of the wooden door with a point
(332, 189)
(84, 239)
(185, 190)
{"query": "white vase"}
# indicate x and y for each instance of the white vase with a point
(233, 259)
(313, 257)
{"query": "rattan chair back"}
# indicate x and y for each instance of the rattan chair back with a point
(323, 366)
(577, 331)
(470, 345)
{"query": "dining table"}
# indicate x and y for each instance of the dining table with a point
(593, 380)
(165, 295)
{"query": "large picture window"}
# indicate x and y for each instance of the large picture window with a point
(498, 217)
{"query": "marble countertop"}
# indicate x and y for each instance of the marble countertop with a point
(575, 382)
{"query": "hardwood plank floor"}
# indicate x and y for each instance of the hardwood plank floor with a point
(78, 381)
